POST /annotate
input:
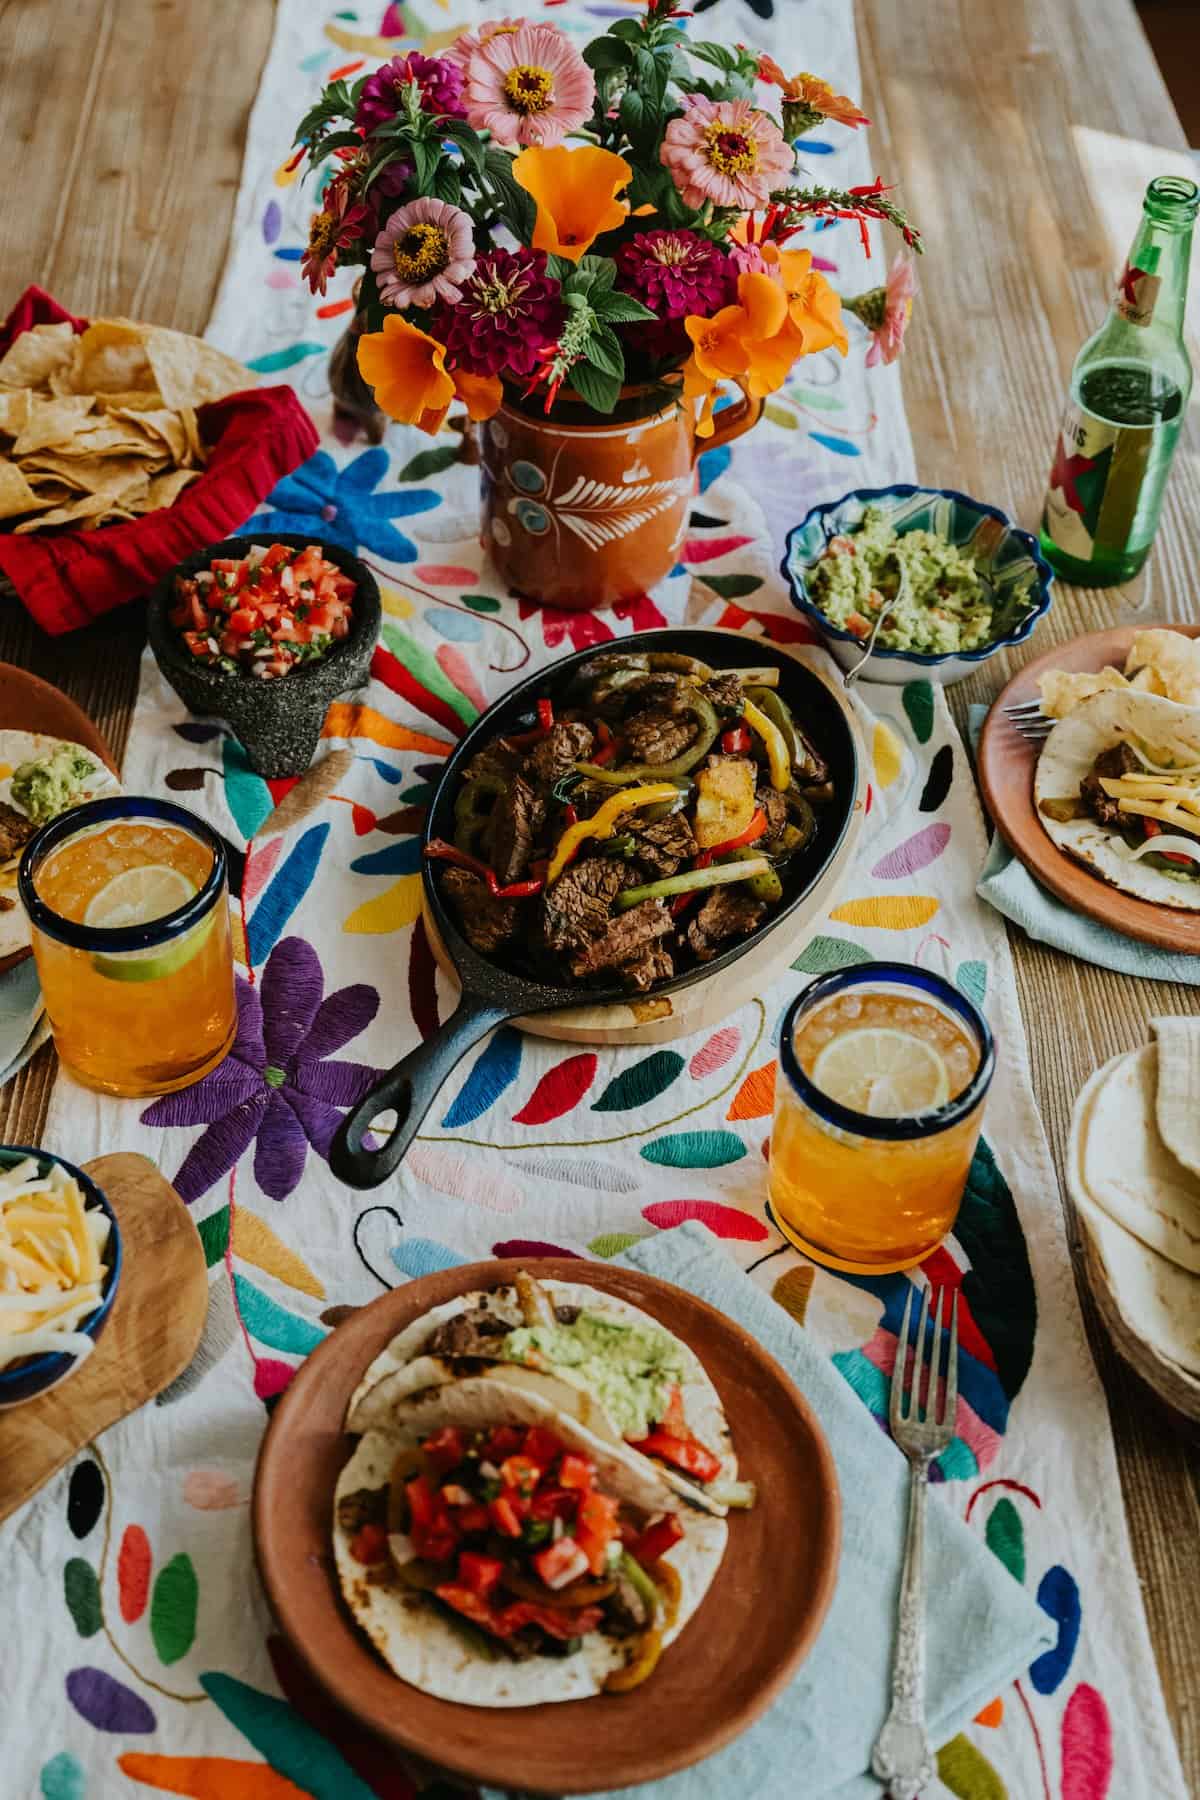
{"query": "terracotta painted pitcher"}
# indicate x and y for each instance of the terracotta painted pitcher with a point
(582, 511)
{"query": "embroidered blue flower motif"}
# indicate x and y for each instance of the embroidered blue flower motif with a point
(341, 507)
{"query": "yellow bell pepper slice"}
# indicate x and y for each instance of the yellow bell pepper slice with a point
(601, 823)
(774, 744)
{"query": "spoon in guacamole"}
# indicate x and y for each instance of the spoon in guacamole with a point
(851, 675)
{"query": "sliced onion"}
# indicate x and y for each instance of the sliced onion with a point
(1192, 768)
(1159, 846)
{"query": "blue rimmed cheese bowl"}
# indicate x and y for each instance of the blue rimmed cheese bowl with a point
(33, 1375)
(1007, 558)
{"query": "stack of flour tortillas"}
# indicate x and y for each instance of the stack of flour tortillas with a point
(1134, 1173)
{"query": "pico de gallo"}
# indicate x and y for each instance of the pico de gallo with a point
(508, 1531)
(266, 613)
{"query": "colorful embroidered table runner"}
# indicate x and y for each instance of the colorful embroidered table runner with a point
(147, 1659)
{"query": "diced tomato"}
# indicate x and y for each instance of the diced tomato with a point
(242, 621)
(576, 1471)
(657, 1539)
(673, 1419)
(596, 1528)
(369, 1544)
(479, 1573)
(474, 1607)
(472, 1520)
(456, 1496)
(555, 1624)
(422, 1500)
(344, 584)
(445, 1449)
(541, 1446)
(860, 626)
(521, 1473)
(561, 1563)
(434, 1533)
(309, 565)
(504, 1515)
(197, 642)
(198, 613)
(553, 1503)
(277, 557)
(506, 1440)
(685, 1453)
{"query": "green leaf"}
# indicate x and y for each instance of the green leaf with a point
(428, 462)
(630, 30)
(632, 111)
(214, 1235)
(603, 351)
(468, 141)
(426, 158)
(81, 1590)
(620, 309)
(716, 54)
(595, 387)
(603, 271)
(173, 1608)
(517, 206)
(559, 268)
(638, 1085)
(606, 52)
(447, 184)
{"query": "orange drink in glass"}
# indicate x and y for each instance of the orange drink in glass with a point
(129, 908)
(883, 1073)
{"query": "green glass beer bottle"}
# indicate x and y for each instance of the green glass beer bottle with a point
(1127, 404)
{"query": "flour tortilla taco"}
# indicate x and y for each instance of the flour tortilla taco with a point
(40, 777)
(1118, 788)
(594, 1357)
(499, 1554)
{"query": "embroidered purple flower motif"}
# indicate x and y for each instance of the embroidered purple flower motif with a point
(276, 1088)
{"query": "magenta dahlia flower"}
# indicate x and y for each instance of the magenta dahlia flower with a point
(675, 273)
(440, 82)
(529, 86)
(423, 252)
(509, 313)
(726, 151)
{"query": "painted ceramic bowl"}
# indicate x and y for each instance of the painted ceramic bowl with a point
(1007, 558)
(35, 1375)
(277, 722)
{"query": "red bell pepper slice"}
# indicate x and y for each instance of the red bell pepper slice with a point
(561, 1563)
(369, 1544)
(736, 741)
(685, 1453)
(657, 1539)
(555, 1624)
(1153, 830)
(504, 1515)
(479, 1573)
(753, 831)
(441, 851)
(445, 1449)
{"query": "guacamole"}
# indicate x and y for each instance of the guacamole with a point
(630, 1369)
(945, 606)
(45, 788)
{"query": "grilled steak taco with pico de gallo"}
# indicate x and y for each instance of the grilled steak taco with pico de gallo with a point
(1118, 788)
(500, 1554)
(594, 1357)
(40, 777)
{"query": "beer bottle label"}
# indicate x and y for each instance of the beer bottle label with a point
(1137, 294)
(1095, 482)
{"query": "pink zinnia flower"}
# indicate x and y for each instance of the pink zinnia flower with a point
(423, 251)
(467, 43)
(440, 83)
(330, 230)
(885, 311)
(725, 151)
(529, 86)
(510, 312)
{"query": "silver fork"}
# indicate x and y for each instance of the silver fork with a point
(1027, 718)
(903, 1757)
(851, 675)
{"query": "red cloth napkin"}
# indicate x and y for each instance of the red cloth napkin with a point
(253, 438)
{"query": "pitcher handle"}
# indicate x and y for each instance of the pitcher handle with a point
(731, 422)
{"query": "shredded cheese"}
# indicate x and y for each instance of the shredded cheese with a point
(52, 1262)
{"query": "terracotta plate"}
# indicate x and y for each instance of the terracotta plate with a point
(29, 704)
(1006, 766)
(761, 1614)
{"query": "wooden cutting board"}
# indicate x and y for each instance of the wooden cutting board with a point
(151, 1336)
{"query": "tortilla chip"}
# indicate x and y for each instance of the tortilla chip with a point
(1063, 691)
(51, 422)
(16, 404)
(165, 489)
(91, 506)
(191, 428)
(136, 400)
(189, 372)
(162, 427)
(114, 358)
(16, 495)
(90, 474)
(32, 357)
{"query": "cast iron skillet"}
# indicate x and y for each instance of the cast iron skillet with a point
(492, 994)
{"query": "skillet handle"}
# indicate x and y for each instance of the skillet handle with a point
(408, 1089)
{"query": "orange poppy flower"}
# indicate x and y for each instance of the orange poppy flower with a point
(778, 319)
(576, 195)
(407, 369)
(481, 394)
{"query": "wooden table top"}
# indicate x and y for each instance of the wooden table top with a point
(1021, 140)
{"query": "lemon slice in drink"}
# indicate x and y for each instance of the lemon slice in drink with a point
(883, 1072)
(138, 897)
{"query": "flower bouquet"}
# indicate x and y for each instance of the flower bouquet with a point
(581, 249)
